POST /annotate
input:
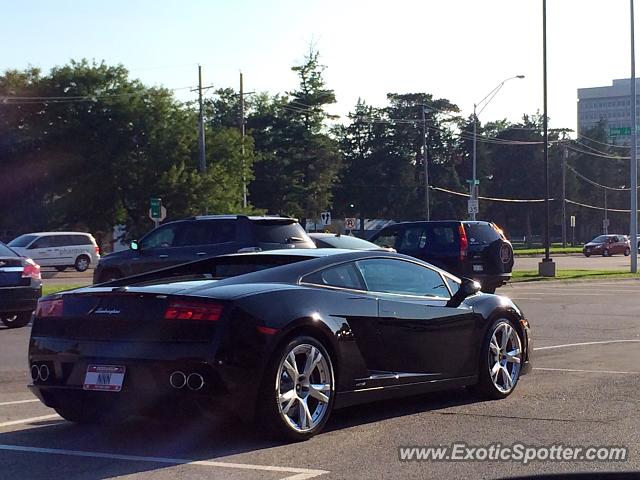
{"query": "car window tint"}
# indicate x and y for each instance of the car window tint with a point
(80, 240)
(22, 241)
(400, 277)
(42, 242)
(222, 231)
(413, 238)
(481, 233)
(388, 238)
(193, 233)
(60, 240)
(6, 251)
(278, 232)
(342, 276)
(162, 237)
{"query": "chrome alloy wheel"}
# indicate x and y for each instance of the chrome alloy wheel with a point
(304, 386)
(505, 357)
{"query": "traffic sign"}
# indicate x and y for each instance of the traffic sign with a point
(472, 206)
(325, 218)
(159, 218)
(350, 223)
(573, 220)
(155, 208)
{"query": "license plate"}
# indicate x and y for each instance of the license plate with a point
(105, 378)
(478, 268)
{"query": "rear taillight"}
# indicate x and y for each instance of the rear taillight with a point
(193, 311)
(49, 308)
(464, 243)
(31, 270)
(97, 250)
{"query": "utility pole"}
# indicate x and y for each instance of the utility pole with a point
(242, 130)
(202, 164)
(547, 267)
(634, 158)
(472, 187)
(425, 162)
(565, 155)
(605, 222)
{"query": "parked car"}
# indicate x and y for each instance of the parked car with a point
(477, 250)
(201, 237)
(335, 240)
(20, 287)
(59, 249)
(283, 337)
(607, 245)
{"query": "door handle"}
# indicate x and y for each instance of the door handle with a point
(201, 253)
(163, 256)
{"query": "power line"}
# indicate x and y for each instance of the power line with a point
(611, 157)
(578, 174)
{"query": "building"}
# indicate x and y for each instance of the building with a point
(611, 104)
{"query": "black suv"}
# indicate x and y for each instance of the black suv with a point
(200, 237)
(477, 250)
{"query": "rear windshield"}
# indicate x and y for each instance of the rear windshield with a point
(22, 241)
(433, 236)
(346, 241)
(278, 232)
(481, 233)
(217, 268)
(6, 252)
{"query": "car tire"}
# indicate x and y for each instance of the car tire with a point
(627, 251)
(60, 269)
(82, 263)
(489, 289)
(587, 254)
(499, 371)
(606, 253)
(16, 320)
(287, 393)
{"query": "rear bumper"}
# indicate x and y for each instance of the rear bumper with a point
(19, 299)
(491, 280)
(146, 389)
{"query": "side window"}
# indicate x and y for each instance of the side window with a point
(193, 233)
(42, 242)
(163, 237)
(413, 238)
(342, 276)
(401, 277)
(453, 284)
(388, 238)
(222, 231)
(80, 240)
(62, 240)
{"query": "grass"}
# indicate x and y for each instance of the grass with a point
(540, 251)
(49, 289)
(532, 275)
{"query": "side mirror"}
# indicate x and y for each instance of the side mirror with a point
(467, 288)
(135, 246)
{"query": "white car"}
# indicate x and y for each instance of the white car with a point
(58, 249)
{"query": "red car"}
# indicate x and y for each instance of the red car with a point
(607, 245)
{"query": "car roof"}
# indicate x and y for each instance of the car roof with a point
(298, 252)
(465, 222)
(47, 234)
(254, 218)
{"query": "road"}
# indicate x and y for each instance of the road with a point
(584, 394)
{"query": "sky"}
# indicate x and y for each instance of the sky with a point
(454, 49)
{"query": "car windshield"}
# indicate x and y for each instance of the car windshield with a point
(22, 241)
(6, 252)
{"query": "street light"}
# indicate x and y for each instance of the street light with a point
(473, 189)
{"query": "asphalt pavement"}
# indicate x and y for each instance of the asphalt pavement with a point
(583, 391)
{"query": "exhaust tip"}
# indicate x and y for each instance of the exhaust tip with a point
(195, 381)
(177, 379)
(35, 372)
(44, 373)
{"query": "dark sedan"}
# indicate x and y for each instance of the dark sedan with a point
(20, 287)
(283, 337)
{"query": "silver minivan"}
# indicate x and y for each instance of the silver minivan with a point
(58, 249)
